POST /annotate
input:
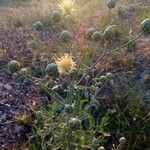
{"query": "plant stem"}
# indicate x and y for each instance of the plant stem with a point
(49, 92)
(124, 45)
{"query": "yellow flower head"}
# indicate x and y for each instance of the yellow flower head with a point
(65, 64)
(24, 118)
(66, 6)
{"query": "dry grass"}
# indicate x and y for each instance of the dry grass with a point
(31, 11)
(27, 13)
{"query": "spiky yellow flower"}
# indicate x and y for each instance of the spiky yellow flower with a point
(65, 64)
(24, 118)
(66, 6)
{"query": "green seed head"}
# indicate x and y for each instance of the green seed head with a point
(69, 108)
(89, 33)
(13, 66)
(51, 70)
(74, 123)
(69, 18)
(109, 76)
(115, 54)
(96, 36)
(103, 78)
(65, 36)
(38, 26)
(110, 33)
(111, 4)
(101, 148)
(122, 140)
(145, 26)
(56, 16)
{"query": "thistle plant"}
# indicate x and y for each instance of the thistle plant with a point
(110, 33)
(96, 36)
(14, 66)
(111, 5)
(69, 109)
(122, 142)
(101, 148)
(66, 64)
(65, 36)
(38, 26)
(89, 33)
(69, 123)
(51, 70)
(74, 123)
(145, 26)
(109, 76)
(56, 16)
(69, 18)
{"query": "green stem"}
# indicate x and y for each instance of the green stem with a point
(49, 92)
(124, 45)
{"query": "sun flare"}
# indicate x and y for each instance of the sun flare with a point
(67, 6)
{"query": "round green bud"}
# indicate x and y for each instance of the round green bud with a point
(13, 66)
(51, 70)
(122, 140)
(89, 33)
(145, 26)
(103, 78)
(109, 76)
(38, 26)
(109, 33)
(101, 148)
(65, 36)
(111, 4)
(74, 123)
(115, 54)
(56, 16)
(69, 18)
(96, 36)
(69, 108)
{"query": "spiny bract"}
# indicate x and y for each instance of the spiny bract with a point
(65, 36)
(101, 148)
(96, 36)
(110, 33)
(109, 76)
(89, 33)
(122, 140)
(74, 123)
(51, 70)
(38, 26)
(65, 64)
(56, 16)
(102, 78)
(13, 66)
(145, 26)
(69, 18)
(69, 108)
(111, 4)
